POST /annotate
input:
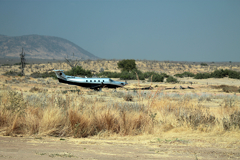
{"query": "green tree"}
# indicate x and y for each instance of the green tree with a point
(127, 65)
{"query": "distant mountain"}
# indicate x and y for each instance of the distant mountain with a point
(41, 47)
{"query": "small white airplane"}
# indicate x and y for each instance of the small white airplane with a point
(92, 83)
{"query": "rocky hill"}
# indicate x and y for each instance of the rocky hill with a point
(41, 47)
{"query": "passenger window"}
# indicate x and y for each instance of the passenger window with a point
(103, 80)
(94, 80)
(86, 80)
(98, 80)
(90, 80)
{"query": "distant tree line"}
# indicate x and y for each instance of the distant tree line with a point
(216, 74)
(129, 71)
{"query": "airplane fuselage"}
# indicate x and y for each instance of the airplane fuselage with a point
(92, 83)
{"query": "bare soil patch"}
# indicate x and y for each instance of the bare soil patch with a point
(87, 148)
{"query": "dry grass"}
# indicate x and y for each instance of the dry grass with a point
(111, 65)
(72, 114)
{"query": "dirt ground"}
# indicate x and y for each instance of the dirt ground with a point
(24, 148)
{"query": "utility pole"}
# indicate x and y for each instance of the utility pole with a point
(22, 57)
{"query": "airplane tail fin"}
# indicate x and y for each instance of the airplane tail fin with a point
(60, 74)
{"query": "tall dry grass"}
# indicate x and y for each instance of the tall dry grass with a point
(71, 114)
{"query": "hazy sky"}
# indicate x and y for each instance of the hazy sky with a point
(175, 30)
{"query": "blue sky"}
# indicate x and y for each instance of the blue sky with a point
(175, 30)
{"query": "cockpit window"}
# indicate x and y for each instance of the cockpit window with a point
(110, 80)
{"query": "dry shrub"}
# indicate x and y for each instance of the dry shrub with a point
(35, 89)
(134, 123)
(13, 101)
(53, 121)
(235, 119)
(166, 127)
(11, 112)
(109, 121)
(185, 113)
(86, 124)
(77, 116)
(80, 124)
(128, 97)
(32, 118)
(16, 125)
(4, 117)
(227, 89)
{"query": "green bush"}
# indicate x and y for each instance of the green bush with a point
(132, 75)
(6, 64)
(149, 74)
(125, 75)
(185, 74)
(139, 73)
(17, 63)
(43, 75)
(12, 73)
(218, 74)
(164, 75)
(78, 71)
(202, 76)
(179, 75)
(157, 78)
(127, 65)
(171, 79)
(233, 74)
(203, 64)
(73, 72)
(109, 74)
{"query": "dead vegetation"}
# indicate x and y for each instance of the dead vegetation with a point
(152, 112)
(227, 88)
